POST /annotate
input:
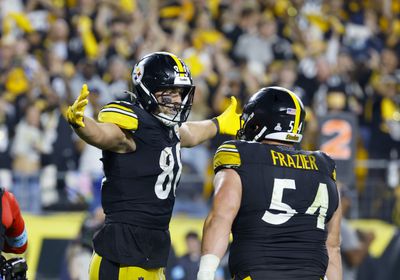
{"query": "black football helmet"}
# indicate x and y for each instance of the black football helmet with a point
(163, 71)
(273, 113)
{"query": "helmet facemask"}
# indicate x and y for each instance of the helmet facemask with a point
(169, 112)
(249, 129)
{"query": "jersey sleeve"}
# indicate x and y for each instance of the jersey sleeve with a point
(16, 235)
(334, 193)
(119, 113)
(331, 165)
(226, 156)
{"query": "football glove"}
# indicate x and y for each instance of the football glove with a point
(229, 121)
(75, 111)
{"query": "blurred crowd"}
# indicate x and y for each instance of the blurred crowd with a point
(339, 56)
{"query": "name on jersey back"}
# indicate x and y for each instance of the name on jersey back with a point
(295, 161)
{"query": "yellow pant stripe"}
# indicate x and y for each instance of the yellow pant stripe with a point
(125, 272)
(94, 268)
(134, 272)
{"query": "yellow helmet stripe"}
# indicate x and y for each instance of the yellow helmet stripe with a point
(179, 64)
(298, 111)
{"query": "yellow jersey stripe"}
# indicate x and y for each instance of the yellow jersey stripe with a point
(247, 278)
(231, 146)
(116, 110)
(179, 64)
(227, 150)
(113, 105)
(227, 147)
(298, 111)
(124, 121)
(228, 159)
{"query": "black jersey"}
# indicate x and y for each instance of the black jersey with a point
(288, 196)
(138, 190)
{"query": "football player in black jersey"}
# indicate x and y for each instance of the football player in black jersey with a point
(141, 144)
(281, 204)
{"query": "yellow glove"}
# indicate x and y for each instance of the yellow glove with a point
(229, 121)
(76, 111)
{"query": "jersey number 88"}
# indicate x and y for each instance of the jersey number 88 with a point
(168, 177)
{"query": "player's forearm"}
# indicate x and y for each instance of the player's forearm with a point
(197, 132)
(214, 244)
(334, 270)
(215, 236)
(92, 133)
(105, 136)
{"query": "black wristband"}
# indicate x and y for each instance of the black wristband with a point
(74, 125)
(215, 121)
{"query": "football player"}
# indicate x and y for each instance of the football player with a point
(141, 143)
(13, 237)
(281, 204)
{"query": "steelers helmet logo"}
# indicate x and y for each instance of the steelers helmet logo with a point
(137, 74)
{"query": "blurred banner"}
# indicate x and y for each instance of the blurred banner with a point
(338, 132)
(384, 260)
(48, 238)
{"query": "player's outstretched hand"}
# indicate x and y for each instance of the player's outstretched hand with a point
(229, 120)
(76, 111)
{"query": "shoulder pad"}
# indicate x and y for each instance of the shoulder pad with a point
(119, 113)
(226, 156)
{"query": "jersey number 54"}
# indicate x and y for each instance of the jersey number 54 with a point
(321, 202)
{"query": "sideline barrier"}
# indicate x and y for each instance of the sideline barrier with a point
(50, 234)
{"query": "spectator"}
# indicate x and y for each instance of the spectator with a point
(188, 265)
(26, 152)
(6, 134)
(116, 76)
(79, 252)
(355, 244)
(87, 73)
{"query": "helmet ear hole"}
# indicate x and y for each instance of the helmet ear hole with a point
(253, 129)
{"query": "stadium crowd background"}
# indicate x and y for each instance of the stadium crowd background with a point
(339, 56)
